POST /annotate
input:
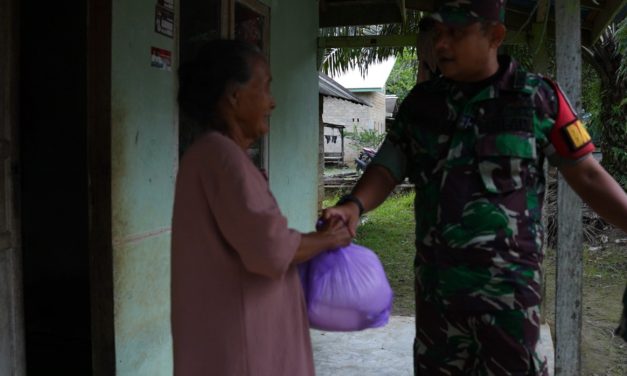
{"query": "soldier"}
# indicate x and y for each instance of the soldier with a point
(473, 141)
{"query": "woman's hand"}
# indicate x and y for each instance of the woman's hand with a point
(337, 231)
(331, 234)
(348, 213)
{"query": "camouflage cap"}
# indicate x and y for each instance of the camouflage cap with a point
(465, 12)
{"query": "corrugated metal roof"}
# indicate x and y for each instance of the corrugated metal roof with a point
(331, 88)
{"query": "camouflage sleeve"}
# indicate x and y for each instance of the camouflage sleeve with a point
(391, 154)
(568, 139)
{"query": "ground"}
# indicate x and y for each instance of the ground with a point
(605, 276)
(389, 232)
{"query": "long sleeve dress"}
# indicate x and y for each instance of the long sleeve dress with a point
(237, 303)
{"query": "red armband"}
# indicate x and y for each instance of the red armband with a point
(569, 135)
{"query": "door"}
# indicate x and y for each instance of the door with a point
(203, 20)
(251, 23)
(11, 323)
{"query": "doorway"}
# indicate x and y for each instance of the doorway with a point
(54, 189)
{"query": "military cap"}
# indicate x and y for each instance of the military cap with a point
(465, 12)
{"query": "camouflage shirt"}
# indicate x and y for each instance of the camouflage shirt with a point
(476, 162)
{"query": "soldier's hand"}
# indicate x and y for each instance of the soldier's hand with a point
(347, 212)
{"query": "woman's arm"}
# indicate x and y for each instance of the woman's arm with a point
(333, 235)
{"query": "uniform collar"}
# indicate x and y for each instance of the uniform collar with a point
(504, 79)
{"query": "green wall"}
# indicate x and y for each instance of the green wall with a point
(293, 150)
(144, 158)
(144, 161)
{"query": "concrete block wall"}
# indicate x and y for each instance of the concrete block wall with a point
(349, 114)
(376, 114)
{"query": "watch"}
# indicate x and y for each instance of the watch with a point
(351, 198)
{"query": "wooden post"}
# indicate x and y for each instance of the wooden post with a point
(568, 300)
(99, 170)
(320, 152)
(12, 355)
(342, 141)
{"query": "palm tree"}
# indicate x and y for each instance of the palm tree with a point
(338, 60)
(608, 56)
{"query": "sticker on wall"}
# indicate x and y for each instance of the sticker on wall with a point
(164, 21)
(160, 58)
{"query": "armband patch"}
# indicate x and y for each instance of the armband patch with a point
(576, 135)
(569, 136)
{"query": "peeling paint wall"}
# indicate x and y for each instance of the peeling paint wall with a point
(144, 157)
(293, 150)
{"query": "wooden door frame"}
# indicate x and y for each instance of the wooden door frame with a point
(99, 29)
(12, 350)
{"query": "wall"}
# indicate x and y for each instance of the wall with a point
(351, 115)
(144, 158)
(293, 150)
(144, 155)
(376, 117)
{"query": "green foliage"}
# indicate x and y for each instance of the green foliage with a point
(403, 76)
(591, 100)
(521, 54)
(339, 60)
(365, 138)
(621, 39)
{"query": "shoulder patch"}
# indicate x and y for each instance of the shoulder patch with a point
(576, 135)
(569, 135)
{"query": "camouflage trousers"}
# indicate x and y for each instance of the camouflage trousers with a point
(479, 344)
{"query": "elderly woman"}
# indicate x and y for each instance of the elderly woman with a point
(237, 302)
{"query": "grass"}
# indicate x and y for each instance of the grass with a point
(389, 232)
(604, 272)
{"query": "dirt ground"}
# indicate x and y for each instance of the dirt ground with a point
(605, 276)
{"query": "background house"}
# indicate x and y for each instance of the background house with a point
(344, 104)
(371, 89)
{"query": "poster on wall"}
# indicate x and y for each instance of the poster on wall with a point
(160, 58)
(164, 21)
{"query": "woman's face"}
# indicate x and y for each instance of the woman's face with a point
(254, 101)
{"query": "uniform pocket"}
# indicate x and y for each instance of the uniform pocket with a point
(503, 159)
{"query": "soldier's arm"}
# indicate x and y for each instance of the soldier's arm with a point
(371, 190)
(598, 189)
(374, 186)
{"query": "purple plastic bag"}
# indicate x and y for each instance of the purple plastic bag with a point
(346, 290)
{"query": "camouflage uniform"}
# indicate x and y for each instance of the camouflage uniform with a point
(476, 161)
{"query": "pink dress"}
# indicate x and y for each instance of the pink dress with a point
(237, 303)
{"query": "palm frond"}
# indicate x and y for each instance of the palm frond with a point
(621, 40)
(340, 60)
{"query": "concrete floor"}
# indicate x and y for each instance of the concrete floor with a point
(384, 351)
